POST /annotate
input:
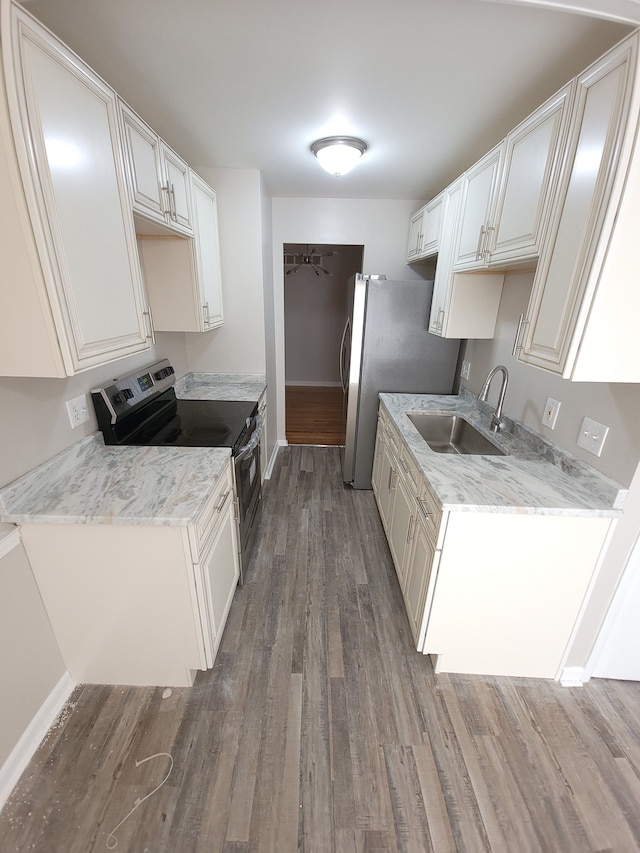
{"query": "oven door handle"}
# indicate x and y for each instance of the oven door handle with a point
(248, 449)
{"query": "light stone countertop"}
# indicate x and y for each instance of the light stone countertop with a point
(92, 483)
(221, 386)
(535, 477)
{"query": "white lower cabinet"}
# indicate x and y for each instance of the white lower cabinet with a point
(486, 593)
(138, 604)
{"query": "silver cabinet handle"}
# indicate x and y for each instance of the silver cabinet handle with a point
(174, 209)
(412, 527)
(488, 247)
(166, 205)
(223, 501)
(439, 321)
(206, 315)
(422, 504)
(519, 338)
(152, 335)
(480, 246)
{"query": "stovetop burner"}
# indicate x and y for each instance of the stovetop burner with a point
(208, 434)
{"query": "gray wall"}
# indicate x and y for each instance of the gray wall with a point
(315, 312)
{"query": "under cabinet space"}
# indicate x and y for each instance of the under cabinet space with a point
(182, 274)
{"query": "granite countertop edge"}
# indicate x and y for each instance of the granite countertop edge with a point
(90, 483)
(534, 477)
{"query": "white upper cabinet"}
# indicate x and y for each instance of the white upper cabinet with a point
(207, 252)
(425, 229)
(182, 274)
(416, 225)
(464, 305)
(76, 298)
(582, 318)
(529, 177)
(479, 184)
(158, 179)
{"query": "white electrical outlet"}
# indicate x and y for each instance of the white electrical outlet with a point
(466, 369)
(77, 410)
(550, 414)
(592, 436)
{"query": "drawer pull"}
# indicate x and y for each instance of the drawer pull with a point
(223, 501)
(422, 504)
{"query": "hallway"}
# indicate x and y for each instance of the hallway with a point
(321, 729)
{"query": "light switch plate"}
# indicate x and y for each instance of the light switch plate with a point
(550, 414)
(592, 436)
(466, 369)
(78, 410)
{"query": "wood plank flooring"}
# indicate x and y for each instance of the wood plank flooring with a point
(314, 415)
(321, 729)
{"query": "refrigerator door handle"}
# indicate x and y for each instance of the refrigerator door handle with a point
(343, 377)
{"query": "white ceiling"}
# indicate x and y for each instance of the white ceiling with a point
(429, 84)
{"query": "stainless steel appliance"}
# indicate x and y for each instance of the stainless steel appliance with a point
(386, 347)
(141, 408)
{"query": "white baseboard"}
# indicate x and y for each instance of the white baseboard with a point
(23, 751)
(573, 676)
(274, 455)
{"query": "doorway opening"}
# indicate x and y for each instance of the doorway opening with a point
(315, 312)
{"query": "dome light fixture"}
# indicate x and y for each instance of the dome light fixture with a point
(338, 154)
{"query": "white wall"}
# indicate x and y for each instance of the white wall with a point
(380, 225)
(34, 425)
(239, 345)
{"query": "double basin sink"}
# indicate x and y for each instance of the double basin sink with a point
(452, 434)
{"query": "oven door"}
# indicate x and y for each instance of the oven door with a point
(247, 469)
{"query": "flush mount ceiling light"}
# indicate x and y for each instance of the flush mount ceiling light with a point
(338, 154)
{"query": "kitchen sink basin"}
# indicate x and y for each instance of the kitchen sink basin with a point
(452, 434)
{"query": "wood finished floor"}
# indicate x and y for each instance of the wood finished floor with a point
(320, 729)
(314, 415)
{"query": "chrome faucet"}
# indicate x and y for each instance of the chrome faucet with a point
(496, 418)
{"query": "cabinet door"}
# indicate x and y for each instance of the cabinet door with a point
(144, 166)
(566, 263)
(529, 178)
(74, 182)
(220, 568)
(432, 226)
(387, 488)
(401, 527)
(415, 235)
(479, 186)
(444, 275)
(177, 185)
(419, 582)
(207, 252)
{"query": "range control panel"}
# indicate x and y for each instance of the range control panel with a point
(126, 393)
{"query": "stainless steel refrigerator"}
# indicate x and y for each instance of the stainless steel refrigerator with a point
(386, 347)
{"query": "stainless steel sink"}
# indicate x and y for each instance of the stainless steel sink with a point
(452, 434)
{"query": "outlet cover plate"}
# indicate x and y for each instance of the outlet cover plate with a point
(592, 436)
(466, 369)
(550, 414)
(78, 410)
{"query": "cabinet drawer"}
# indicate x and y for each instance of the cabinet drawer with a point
(430, 517)
(213, 513)
(411, 471)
